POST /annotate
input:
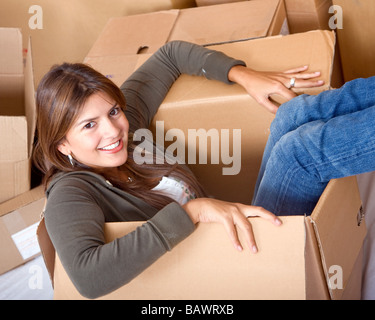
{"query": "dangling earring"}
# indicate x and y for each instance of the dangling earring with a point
(71, 159)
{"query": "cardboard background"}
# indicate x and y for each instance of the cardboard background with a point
(70, 27)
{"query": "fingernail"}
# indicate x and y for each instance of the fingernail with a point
(239, 248)
(278, 222)
(255, 249)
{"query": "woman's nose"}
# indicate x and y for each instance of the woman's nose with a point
(109, 129)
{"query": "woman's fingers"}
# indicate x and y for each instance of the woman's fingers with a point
(240, 220)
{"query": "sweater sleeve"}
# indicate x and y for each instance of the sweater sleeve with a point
(75, 222)
(146, 89)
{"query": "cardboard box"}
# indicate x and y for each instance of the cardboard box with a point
(17, 115)
(206, 98)
(307, 15)
(356, 38)
(201, 3)
(307, 258)
(127, 42)
(69, 28)
(303, 15)
(222, 23)
(19, 218)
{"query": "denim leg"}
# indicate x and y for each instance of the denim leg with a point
(304, 160)
(354, 96)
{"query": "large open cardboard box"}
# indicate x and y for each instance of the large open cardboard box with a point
(17, 115)
(317, 257)
(314, 257)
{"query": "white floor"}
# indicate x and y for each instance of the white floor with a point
(27, 282)
(31, 281)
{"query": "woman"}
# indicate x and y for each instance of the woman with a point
(85, 149)
(314, 139)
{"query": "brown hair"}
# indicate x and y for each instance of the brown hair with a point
(60, 97)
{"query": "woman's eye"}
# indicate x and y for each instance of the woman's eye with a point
(89, 125)
(115, 111)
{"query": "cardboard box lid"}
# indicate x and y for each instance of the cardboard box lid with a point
(234, 21)
(228, 22)
(339, 229)
(127, 35)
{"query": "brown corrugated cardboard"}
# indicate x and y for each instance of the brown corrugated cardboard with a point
(19, 218)
(222, 23)
(356, 38)
(306, 15)
(17, 115)
(292, 262)
(206, 98)
(201, 3)
(300, 260)
(303, 15)
(68, 28)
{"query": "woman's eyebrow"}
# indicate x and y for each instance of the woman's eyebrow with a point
(95, 118)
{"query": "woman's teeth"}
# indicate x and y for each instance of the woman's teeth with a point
(112, 146)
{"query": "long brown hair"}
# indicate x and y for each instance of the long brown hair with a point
(60, 97)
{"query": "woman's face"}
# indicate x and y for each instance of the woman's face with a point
(99, 136)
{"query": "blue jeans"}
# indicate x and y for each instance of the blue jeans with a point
(314, 139)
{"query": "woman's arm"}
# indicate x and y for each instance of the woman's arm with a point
(75, 220)
(147, 87)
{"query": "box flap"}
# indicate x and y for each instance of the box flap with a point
(339, 234)
(30, 107)
(222, 23)
(127, 35)
(206, 266)
(21, 200)
(14, 144)
(117, 68)
(225, 22)
(11, 51)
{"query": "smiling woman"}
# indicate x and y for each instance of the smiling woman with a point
(85, 148)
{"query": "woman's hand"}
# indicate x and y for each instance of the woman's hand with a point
(260, 85)
(231, 215)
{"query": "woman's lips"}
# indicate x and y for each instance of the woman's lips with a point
(113, 148)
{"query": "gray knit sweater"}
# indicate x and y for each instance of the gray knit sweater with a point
(79, 203)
